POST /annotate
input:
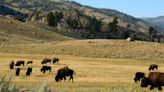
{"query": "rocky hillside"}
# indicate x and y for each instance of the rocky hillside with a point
(78, 21)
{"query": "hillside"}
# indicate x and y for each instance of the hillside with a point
(158, 21)
(83, 22)
(117, 49)
(13, 31)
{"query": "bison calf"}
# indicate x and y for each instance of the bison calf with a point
(17, 72)
(29, 71)
(45, 68)
(63, 73)
(11, 65)
(153, 66)
(139, 76)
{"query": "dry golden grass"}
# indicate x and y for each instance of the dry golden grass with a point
(92, 74)
(118, 49)
(100, 65)
(14, 32)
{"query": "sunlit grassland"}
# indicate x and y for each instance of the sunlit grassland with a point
(100, 65)
(92, 74)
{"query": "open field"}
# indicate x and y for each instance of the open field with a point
(117, 49)
(92, 74)
(100, 65)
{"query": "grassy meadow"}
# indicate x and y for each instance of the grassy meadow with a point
(109, 72)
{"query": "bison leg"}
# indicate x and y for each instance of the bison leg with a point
(71, 77)
(159, 87)
(64, 79)
(152, 87)
(135, 80)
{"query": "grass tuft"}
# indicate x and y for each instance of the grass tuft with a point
(6, 85)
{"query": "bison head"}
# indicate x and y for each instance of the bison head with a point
(57, 78)
(144, 82)
(135, 79)
(41, 69)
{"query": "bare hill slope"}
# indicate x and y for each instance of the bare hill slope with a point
(12, 31)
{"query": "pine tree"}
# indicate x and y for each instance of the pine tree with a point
(50, 19)
(152, 33)
(113, 24)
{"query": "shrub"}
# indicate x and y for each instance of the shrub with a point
(6, 85)
(42, 88)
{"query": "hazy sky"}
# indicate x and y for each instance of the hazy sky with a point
(136, 8)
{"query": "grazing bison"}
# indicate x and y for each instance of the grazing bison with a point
(29, 71)
(11, 65)
(17, 71)
(19, 63)
(55, 60)
(29, 62)
(153, 66)
(154, 79)
(63, 73)
(45, 68)
(139, 76)
(46, 60)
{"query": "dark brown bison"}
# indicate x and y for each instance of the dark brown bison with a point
(46, 60)
(29, 62)
(153, 66)
(63, 73)
(11, 65)
(17, 71)
(19, 63)
(139, 76)
(154, 79)
(45, 68)
(29, 71)
(55, 60)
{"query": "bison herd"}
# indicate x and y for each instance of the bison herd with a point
(154, 79)
(61, 73)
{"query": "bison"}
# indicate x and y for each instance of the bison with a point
(29, 62)
(46, 60)
(19, 63)
(55, 60)
(139, 76)
(63, 73)
(45, 68)
(11, 65)
(17, 71)
(153, 66)
(154, 79)
(29, 71)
